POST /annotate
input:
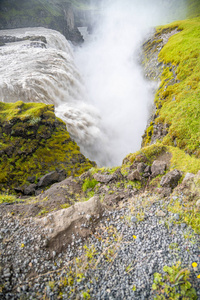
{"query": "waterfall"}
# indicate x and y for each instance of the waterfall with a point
(104, 101)
(46, 72)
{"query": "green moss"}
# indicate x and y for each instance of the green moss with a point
(4, 198)
(104, 170)
(149, 152)
(35, 142)
(180, 96)
(89, 184)
(179, 159)
(184, 162)
(66, 205)
(148, 135)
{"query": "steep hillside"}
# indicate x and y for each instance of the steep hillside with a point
(175, 121)
(34, 142)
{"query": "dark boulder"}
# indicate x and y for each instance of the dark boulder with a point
(31, 179)
(164, 192)
(171, 179)
(141, 167)
(104, 178)
(135, 175)
(112, 200)
(30, 189)
(147, 172)
(158, 168)
(48, 179)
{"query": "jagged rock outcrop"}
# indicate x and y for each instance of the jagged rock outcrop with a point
(57, 16)
(171, 179)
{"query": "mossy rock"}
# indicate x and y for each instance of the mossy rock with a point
(178, 159)
(34, 142)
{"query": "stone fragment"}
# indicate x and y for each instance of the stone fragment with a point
(30, 189)
(112, 199)
(65, 220)
(133, 219)
(160, 213)
(31, 179)
(135, 175)
(164, 192)
(183, 225)
(141, 158)
(19, 189)
(104, 178)
(158, 168)
(118, 174)
(188, 177)
(141, 167)
(48, 179)
(176, 217)
(62, 175)
(147, 169)
(171, 179)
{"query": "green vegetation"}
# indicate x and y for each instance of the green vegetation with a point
(89, 188)
(183, 112)
(8, 199)
(44, 211)
(187, 211)
(174, 284)
(179, 159)
(89, 184)
(35, 142)
(178, 97)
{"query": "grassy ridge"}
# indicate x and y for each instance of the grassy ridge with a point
(34, 142)
(181, 101)
(178, 97)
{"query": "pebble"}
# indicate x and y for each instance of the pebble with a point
(176, 217)
(133, 219)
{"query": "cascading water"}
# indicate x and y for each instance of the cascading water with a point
(39, 72)
(106, 107)
(109, 64)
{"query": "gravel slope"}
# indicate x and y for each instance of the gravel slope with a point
(117, 261)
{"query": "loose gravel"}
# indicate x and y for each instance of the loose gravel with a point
(117, 261)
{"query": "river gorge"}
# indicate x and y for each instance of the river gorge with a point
(99, 88)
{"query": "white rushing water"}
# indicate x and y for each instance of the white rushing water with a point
(106, 107)
(33, 73)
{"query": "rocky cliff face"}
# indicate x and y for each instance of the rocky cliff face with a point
(18, 14)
